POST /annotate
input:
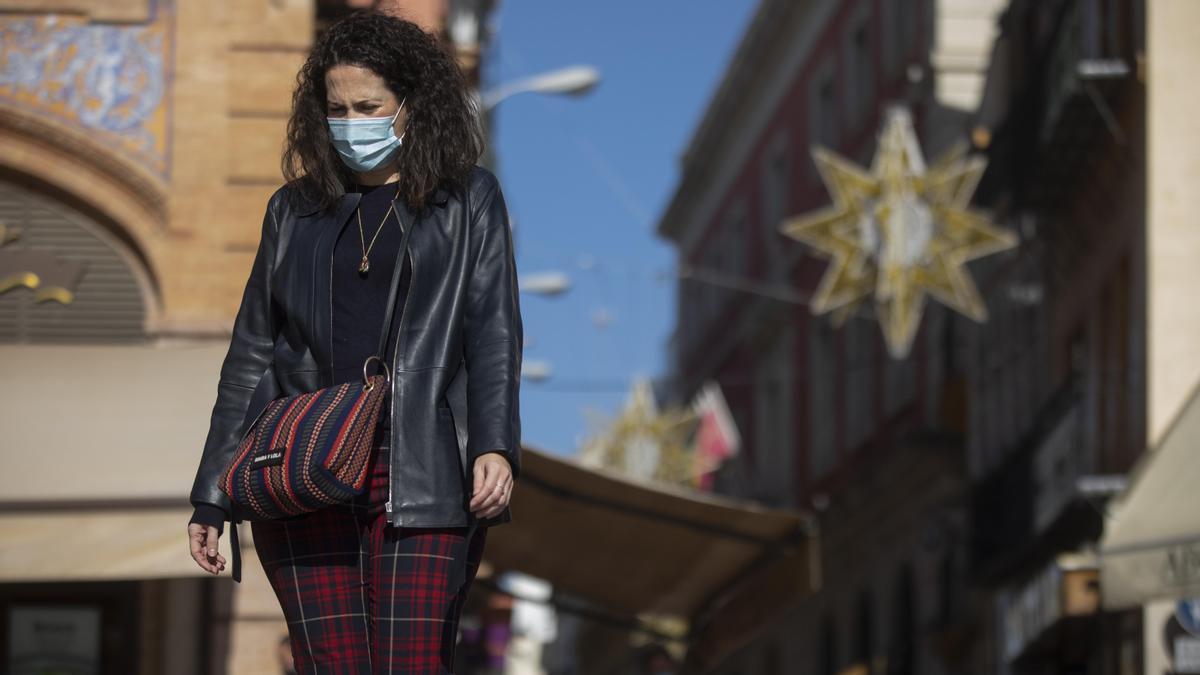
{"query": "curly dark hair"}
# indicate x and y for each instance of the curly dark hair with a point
(443, 138)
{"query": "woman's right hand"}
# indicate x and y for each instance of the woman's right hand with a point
(204, 540)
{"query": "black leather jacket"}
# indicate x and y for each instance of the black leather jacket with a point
(457, 366)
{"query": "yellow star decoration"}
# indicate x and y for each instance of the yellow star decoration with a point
(904, 231)
(643, 442)
(13, 275)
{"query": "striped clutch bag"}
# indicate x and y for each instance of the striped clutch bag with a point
(307, 451)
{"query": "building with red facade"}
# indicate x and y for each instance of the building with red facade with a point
(965, 483)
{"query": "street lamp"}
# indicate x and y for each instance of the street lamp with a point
(571, 81)
(545, 283)
(536, 371)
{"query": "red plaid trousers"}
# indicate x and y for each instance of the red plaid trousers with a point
(364, 597)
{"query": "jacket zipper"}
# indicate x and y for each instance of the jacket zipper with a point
(412, 281)
(399, 330)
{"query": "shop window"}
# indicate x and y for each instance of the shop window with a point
(947, 586)
(827, 650)
(735, 233)
(822, 397)
(864, 638)
(901, 651)
(776, 201)
(900, 383)
(860, 337)
(899, 25)
(774, 403)
(860, 68)
(69, 627)
(773, 659)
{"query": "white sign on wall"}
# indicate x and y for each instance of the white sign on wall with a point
(47, 639)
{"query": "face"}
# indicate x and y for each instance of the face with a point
(354, 92)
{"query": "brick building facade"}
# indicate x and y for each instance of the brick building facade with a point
(139, 143)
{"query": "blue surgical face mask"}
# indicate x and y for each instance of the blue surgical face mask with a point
(367, 143)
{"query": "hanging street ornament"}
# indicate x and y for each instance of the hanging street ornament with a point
(643, 442)
(901, 232)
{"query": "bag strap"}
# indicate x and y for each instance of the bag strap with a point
(395, 290)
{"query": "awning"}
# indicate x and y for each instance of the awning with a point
(94, 545)
(1151, 544)
(99, 446)
(726, 566)
(104, 423)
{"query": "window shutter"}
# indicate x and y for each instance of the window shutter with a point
(107, 306)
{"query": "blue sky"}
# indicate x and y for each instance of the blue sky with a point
(586, 179)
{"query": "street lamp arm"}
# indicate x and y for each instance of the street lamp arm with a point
(573, 81)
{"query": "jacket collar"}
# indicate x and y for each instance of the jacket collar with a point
(345, 204)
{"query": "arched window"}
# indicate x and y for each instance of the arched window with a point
(107, 304)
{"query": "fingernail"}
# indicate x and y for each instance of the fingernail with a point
(212, 552)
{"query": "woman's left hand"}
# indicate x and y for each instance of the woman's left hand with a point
(493, 485)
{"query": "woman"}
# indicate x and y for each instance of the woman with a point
(382, 137)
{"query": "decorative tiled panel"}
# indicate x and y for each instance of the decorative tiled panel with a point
(109, 81)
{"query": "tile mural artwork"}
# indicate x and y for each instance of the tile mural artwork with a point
(109, 81)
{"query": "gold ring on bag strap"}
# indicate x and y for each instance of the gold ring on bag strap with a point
(387, 375)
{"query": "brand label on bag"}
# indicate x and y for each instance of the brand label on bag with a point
(271, 458)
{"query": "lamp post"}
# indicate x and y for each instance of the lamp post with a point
(536, 371)
(546, 283)
(569, 81)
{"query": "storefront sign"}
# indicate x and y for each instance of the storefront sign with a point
(1181, 568)
(64, 640)
(1187, 654)
(1133, 577)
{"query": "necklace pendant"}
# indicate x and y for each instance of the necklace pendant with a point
(364, 266)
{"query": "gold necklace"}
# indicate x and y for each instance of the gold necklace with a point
(365, 265)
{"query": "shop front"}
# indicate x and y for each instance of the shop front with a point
(100, 447)
(1150, 554)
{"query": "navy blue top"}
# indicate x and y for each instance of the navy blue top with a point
(359, 300)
